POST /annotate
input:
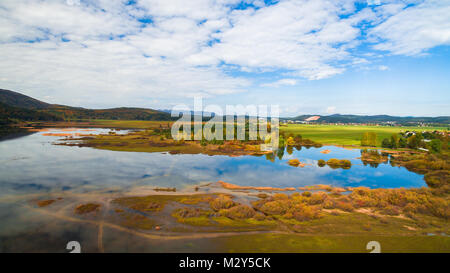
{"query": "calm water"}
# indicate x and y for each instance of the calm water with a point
(32, 164)
(32, 168)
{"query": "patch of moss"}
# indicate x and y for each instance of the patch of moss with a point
(157, 202)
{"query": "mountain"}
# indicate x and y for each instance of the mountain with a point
(17, 106)
(15, 99)
(10, 114)
(337, 118)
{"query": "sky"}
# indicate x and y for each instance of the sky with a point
(307, 56)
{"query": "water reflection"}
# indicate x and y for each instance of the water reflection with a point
(33, 164)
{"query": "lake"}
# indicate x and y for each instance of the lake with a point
(32, 164)
(32, 168)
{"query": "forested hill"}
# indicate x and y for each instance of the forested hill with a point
(15, 99)
(337, 118)
(16, 106)
(11, 114)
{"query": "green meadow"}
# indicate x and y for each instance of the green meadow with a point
(325, 134)
(131, 124)
(347, 134)
(294, 243)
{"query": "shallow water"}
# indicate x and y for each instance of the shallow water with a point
(32, 164)
(32, 168)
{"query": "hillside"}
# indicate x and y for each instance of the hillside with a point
(11, 114)
(15, 99)
(23, 107)
(337, 118)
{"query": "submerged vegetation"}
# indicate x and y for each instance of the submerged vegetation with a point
(316, 210)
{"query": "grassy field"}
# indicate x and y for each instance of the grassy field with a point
(131, 124)
(325, 134)
(333, 244)
(347, 134)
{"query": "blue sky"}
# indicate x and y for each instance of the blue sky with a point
(307, 56)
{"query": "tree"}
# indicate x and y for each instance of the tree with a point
(435, 146)
(369, 139)
(386, 143)
(372, 139)
(415, 141)
(402, 143)
(365, 139)
(412, 142)
(394, 141)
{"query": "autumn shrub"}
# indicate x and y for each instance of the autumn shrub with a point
(294, 162)
(360, 191)
(336, 163)
(439, 207)
(437, 179)
(222, 202)
(306, 213)
(321, 163)
(390, 210)
(306, 194)
(413, 208)
(189, 212)
(317, 198)
(280, 196)
(345, 206)
(328, 204)
(238, 212)
(333, 163)
(259, 216)
(346, 164)
(279, 207)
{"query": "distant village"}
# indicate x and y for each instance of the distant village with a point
(316, 120)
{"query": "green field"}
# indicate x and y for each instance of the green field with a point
(325, 134)
(347, 134)
(130, 124)
(333, 244)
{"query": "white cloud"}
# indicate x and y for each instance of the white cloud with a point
(306, 37)
(414, 30)
(112, 53)
(281, 82)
